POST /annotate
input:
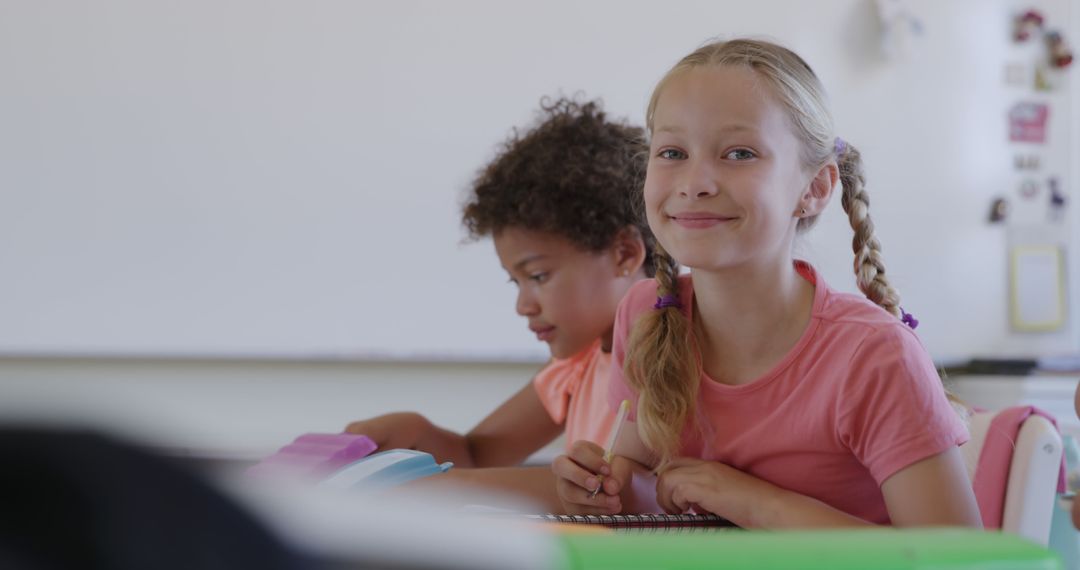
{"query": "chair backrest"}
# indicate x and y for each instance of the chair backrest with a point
(1031, 478)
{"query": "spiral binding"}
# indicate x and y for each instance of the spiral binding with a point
(641, 521)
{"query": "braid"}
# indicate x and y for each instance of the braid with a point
(869, 265)
(666, 271)
(662, 366)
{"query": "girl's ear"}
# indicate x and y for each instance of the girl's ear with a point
(628, 251)
(817, 193)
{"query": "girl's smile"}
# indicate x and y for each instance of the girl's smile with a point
(700, 220)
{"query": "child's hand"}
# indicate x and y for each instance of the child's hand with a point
(713, 487)
(401, 430)
(578, 475)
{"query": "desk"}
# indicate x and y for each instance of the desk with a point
(415, 531)
(427, 529)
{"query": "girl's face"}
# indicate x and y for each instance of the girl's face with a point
(568, 295)
(724, 179)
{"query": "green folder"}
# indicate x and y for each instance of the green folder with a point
(861, 549)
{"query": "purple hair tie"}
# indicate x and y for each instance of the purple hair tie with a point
(669, 300)
(908, 319)
(839, 146)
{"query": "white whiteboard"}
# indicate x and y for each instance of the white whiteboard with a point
(273, 178)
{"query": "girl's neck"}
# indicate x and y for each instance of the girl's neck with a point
(748, 317)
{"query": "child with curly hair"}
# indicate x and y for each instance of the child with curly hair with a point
(559, 203)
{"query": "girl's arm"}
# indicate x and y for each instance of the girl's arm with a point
(931, 492)
(511, 433)
(747, 501)
(684, 484)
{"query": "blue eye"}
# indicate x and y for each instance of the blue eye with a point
(740, 154)
(671, 154)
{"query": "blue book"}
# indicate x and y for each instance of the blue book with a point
(386, 469)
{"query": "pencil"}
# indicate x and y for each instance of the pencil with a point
(609, 451)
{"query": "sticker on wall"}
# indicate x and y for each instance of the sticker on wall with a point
(1060, 54)
(1027, 25)
(1016, 74)
(1029, 188)
(1058, 202)
(1027, 122)
(1026, 162)
(999, 210)
(1042, 79)
(1055, 55)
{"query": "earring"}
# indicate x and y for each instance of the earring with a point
(625, 272)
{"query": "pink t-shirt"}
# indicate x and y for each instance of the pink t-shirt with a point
(853, 402)
(574, 391)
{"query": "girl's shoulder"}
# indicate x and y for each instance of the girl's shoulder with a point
(856, 310)
(566, 374)
(871, 351)
(870, 331)
(639, 297)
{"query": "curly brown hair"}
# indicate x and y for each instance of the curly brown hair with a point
(575, 174)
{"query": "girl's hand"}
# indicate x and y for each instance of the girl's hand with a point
(578, 475)
(709, 486)
(400, 430)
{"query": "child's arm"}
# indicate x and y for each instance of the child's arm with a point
(709, 486)
(934, 491)
(507, 436)
(931, 492)
(536, 484)
(511, 433)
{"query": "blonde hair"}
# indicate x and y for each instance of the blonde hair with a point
(663, 360)
(663, 365)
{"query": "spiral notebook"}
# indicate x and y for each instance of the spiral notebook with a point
(640, 522)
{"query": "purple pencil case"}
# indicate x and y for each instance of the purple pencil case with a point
(314, 455)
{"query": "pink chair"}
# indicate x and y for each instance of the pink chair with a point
(1014, 459)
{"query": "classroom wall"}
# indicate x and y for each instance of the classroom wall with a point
(273, 179)
(246, 409)
(227, 223)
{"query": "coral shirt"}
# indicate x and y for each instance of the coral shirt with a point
(853, 402)
(574, 391)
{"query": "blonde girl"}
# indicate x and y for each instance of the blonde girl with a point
(761, 394)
